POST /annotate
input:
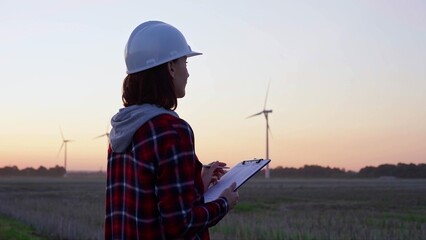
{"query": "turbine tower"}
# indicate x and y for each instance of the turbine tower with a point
(265, 112)
(64, 145)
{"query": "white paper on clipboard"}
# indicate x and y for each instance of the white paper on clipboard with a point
(240, 173)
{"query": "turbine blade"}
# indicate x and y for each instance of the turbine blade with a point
(105, 134)
(267, 92)
(256, 114)
(60, 149)
(62, 134)
(99, 136)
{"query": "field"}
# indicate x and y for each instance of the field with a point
(73, 208)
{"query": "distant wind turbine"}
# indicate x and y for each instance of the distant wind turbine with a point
(106, 134)
(265, 112)
(64, 145)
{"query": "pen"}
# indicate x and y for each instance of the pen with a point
(208, 166)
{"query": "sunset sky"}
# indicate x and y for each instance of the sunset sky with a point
(347, 79)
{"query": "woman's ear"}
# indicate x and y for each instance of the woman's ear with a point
(171, 68)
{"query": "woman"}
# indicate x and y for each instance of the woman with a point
(155, 182)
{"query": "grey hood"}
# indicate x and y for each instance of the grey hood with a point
(128, 120)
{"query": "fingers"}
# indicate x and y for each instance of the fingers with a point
(215, 169)
(221, 164)
(216, 177)
(212, 173)
(234, 196)
(236, 199)
(218, 173)
(233, 186)
(216, 164)
(214, 180)
(231, 195)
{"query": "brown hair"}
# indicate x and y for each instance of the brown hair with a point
(153, 86)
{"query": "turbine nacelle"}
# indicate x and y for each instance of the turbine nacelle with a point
(264, 112)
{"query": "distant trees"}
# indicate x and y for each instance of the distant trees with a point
(311, 171)
(401, 170)
(13, 171)
(318, 171)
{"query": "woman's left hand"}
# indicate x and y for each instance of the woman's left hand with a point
(212, 174)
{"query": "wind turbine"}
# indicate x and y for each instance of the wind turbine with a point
(106, 134)
(64, 145)
(265, 112)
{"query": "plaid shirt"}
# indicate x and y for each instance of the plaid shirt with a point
(154, 188)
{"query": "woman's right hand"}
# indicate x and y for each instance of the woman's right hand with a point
(230, 195)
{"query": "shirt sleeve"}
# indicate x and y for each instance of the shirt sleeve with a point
(175, 186)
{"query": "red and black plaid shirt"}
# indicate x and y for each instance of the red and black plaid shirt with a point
(155, 190)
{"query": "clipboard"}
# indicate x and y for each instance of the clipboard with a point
(240, 173)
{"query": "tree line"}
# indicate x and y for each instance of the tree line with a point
(14, 171)
(400, 170)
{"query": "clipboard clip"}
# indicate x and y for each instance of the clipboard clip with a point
(254, 160)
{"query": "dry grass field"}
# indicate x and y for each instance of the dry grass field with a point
(73, 208)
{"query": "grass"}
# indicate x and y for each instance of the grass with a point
(327, 209)
(57, 208)
(13, 230)
(305, 209)
(247, 207)
(408, 217)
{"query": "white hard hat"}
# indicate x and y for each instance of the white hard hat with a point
(153, 43)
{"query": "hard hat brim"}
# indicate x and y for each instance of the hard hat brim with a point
(194, 54)
(146, 67)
